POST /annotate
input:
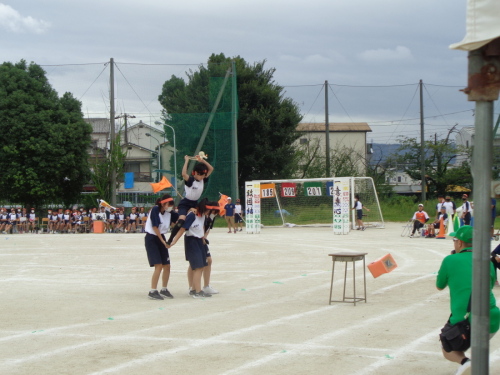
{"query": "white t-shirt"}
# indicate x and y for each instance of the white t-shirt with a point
(197, 228)
(164, 221)
(237, 208)
(194, 188)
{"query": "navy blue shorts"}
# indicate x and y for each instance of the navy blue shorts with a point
(157, 252)
(195, 252)
(359, 214)
(207, 250)
(238, 218)
(185, 205)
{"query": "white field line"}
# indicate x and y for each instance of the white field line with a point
(313, 348)
(176, 324)
(38, 356)
(279, 321)
(401, 352)
(325, 337)
(205, 342)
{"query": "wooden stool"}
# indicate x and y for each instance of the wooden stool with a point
(349, 257)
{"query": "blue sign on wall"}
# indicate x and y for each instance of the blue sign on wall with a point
(129, 180)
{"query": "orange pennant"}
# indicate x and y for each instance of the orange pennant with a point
(163, 184)
(222, 203)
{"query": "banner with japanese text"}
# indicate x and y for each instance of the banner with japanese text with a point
(340, 190)
(252, 209)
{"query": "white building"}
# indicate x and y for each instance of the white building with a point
(351, 136)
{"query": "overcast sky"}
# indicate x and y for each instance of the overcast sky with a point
(373, 53)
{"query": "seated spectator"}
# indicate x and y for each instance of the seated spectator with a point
(437, 223)
(419, 219)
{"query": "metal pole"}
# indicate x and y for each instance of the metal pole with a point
(112, 129)
(327, 133)
(422, 145)
(482, 163)
(234, 142)
(211, 117)
(481, 168)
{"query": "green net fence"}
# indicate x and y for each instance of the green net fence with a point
(217, 144)
(138, 111)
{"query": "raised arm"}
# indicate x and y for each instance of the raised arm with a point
(185, 175)
(210, 168)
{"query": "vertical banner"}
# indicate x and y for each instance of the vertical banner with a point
(288, 190)
(252, 209)
(312, 189)
(340, 189)
(268, 191)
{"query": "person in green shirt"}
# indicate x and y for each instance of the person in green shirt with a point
(456, 274)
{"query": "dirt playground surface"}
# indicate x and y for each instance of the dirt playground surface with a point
(77, 304)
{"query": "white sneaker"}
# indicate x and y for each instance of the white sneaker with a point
(208, 289)
(411, 236)
(464, 369)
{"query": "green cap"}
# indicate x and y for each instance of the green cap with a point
(464, 233)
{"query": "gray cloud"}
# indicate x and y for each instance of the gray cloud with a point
(364, 48)
(12, 21)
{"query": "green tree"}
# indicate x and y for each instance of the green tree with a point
(102, 165)
(44, 139)
(266, 119)
(440, 158)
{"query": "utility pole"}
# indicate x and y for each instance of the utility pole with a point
(422, 145)
(327, 133)
(112, 130)
(124, 117)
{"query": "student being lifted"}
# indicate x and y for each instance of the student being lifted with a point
(193, 188)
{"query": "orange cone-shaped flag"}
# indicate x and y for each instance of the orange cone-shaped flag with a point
(441, 234)
(163, 184)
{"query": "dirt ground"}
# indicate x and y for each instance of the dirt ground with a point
(77, 304)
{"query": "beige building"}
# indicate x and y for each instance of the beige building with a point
(140, 142)
(342, 136)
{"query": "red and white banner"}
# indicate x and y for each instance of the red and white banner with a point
(288, 190)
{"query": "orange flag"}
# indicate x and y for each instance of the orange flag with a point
(163, 184)
(222, 203)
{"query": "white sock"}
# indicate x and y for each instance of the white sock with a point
(153, 290)
(164, 288)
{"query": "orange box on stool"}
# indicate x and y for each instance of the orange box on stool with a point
(98, 226)
(382, 265)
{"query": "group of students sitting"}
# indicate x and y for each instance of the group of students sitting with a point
(19, 220)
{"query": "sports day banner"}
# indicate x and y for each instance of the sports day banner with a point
(252, 210)
(340, 190)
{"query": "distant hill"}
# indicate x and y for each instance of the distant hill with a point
(383, 150)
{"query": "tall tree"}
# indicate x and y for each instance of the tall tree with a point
(441, 170)
(266, 119)
(101, 166)
(43, 139)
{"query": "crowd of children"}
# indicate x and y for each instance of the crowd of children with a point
(78, 220)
